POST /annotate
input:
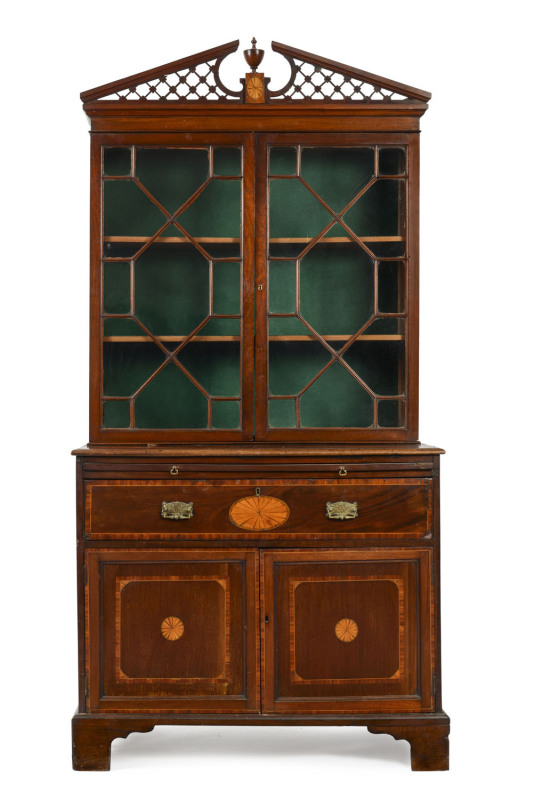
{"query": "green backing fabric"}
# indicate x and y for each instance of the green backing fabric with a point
(335, 280)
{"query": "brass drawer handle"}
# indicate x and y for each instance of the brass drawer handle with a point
(342, 472)
(173, 470)
(176, 510)
(341, 510)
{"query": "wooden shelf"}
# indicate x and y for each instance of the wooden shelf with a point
(236, 240)
(329, 338)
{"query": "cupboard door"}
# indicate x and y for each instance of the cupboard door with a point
(347, 631)
(172, 630)
(333, 325)
(174, 324)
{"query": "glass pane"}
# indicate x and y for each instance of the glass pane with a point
(294, 211)
(128, 211)
(336, 288)
(222, 327)
(293, 364)
(290, 326)
(117, 161)
(391, 249)
(171, 289)
(171, 175)
(336, 399)
(171, 400)
(283, 161)
(337, 174)
(282, 287)
(391, 161)
(378, 363)
(225, 414)
(391, 287)
(227, 161)
(215, 365)
(117, 288)
(127, 365)
(216, 211)
(227, 288)
(121, 249)
(123, 328)
(390, 413)
(376, 213)
(116, 413)
(282, 413)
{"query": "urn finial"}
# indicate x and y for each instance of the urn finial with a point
(253, 56)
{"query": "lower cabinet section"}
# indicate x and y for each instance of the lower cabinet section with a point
(339, 631)
(172, 630)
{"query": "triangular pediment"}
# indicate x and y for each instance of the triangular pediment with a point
(313, 79)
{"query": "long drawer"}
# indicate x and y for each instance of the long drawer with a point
(264, 509)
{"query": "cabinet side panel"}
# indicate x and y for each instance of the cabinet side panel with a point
(95, 345)
(412, 298)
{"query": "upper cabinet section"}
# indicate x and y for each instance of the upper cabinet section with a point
(250, 286)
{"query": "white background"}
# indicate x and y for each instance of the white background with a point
(476, 383)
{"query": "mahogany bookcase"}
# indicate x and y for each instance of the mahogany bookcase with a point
(258, 524)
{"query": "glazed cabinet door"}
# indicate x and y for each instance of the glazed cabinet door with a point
(172, 271)
(172, 630)
(337, 326)
(347, 631)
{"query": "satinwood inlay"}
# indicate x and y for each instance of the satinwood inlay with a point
(259, 513)
(172, 628)
(346, 630)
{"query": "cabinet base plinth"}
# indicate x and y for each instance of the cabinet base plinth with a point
(92, 737)
(92, 734)
(429, 743)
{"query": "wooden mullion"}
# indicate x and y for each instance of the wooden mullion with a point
(150, 378)
(411, 355)
(152, 198)
(192, 240)
(96, 372)
(132, 287)
(190, 336)
(326, 366)
(150, 241)
(248, 215)
(191, 377)
(210, 288)
(261, 278)
(151, 335)
(189, 202)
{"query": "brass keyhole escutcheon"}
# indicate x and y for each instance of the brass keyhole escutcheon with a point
(346, 630)
(342, 471)
(174, 470)
(172, 628)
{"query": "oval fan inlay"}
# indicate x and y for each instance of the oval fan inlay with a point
(259, 513)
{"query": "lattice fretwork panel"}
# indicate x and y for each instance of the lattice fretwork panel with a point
(193, 83)
(311, 82)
